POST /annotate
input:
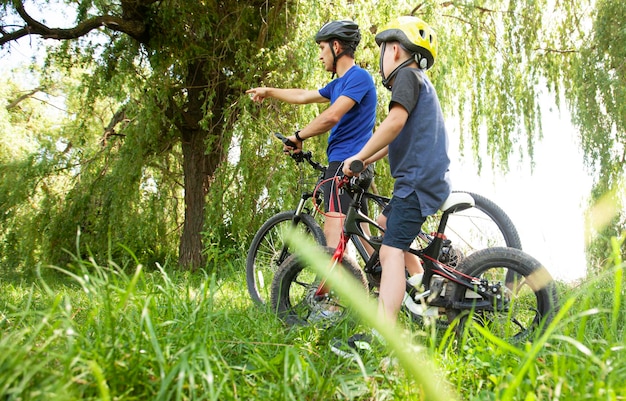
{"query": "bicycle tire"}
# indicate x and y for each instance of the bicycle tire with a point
(294, 285)
(266, 251)
(502, 220)
(530, 302)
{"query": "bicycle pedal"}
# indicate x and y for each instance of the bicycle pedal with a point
(436, 287)
(421, 296)
(376, 269)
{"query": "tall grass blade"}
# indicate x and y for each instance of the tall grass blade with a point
(418, 365)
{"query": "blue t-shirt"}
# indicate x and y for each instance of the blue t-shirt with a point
(418, 156)
(355, 128)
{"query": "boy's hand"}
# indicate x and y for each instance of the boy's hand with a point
(346, 166)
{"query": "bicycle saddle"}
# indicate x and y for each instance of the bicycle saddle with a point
(457, 201)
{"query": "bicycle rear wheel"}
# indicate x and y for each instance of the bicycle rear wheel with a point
(518, 310)
(483, 226)
(269, 249)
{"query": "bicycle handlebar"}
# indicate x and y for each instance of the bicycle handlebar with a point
(301, 156)
(356, 166)
(285, 140)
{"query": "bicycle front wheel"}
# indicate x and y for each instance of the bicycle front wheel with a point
(517, 310)
(294, 290)
(269, 249)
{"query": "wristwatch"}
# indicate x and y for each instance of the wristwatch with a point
(297, 135)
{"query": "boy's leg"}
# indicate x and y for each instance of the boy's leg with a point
(404, 222)
(413, 263)
(392, 283)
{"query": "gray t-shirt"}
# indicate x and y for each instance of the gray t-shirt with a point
(418, 156)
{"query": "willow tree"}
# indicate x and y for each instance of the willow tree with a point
(174, 73)
(171, 69)
(594, 81)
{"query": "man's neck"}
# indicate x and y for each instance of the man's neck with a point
(343, 65)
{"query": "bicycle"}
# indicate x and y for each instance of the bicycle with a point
(483, 225)
(480, 286)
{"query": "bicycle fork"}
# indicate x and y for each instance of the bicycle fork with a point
(295, 220)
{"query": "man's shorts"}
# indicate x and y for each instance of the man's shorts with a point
(333, 202)
(404, 221)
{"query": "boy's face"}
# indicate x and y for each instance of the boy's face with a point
(387, 59)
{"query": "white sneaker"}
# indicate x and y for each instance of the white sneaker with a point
(419, 308)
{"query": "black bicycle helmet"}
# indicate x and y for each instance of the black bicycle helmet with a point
(345, 31)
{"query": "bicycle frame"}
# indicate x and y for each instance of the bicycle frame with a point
(435, 272)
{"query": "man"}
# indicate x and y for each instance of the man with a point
(350, 116)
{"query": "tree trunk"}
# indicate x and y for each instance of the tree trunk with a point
(203, 152)
(190, 250)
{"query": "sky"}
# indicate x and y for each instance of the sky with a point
(547, 205)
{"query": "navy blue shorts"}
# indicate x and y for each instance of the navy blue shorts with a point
(404, 221)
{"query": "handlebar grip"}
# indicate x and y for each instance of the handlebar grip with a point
(356, 166)
(286, 141)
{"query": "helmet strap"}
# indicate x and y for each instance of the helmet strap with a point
(387, 80)
(335, 57)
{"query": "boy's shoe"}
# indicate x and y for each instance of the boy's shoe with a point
(356, 345)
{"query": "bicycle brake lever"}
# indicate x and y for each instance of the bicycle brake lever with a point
(356, 167)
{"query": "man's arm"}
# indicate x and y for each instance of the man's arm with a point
(328, 118)
(293, 96)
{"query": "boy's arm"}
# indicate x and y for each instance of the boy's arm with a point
(377, 156)
(376, 147)
(293, 96)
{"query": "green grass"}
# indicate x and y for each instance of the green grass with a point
(103, 332)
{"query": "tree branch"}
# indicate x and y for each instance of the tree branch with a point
(135, 28)
(109, 130)
(17, 101)
(558, 51)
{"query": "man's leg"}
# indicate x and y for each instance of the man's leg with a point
(333, 227)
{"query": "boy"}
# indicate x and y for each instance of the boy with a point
(414, 136)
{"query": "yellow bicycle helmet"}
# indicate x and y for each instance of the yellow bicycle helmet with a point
(415, 36)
